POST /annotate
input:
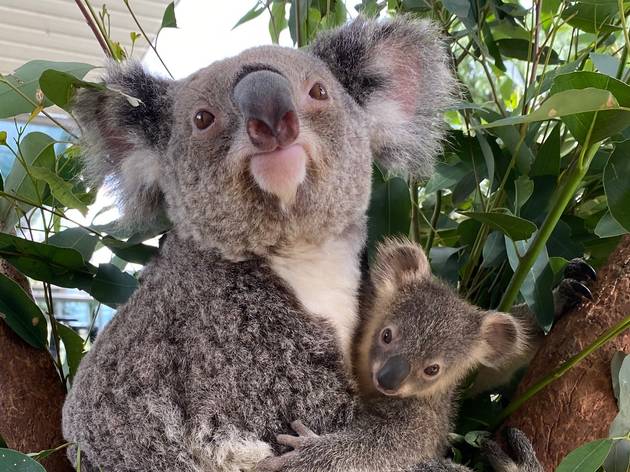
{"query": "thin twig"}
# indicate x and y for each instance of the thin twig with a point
(135, 19)
(94, 28)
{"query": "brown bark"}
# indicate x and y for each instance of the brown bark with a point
(580, 406)
(31, 393)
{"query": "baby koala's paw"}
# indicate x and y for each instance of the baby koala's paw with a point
(574, 287)
(520, 457)
(286, 461)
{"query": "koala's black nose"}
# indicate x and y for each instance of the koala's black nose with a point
(392, 374)
(265, 100)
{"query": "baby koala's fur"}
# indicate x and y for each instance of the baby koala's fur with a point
(412, 323)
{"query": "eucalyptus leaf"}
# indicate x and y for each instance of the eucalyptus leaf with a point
(565, 103)
(60, 189)
(616, 184)
(73, 344)
(37, 149)
(618, 459)
(608, 227)
(60, 87)
(621, 424)
(168, 19)
(22, 314)
(26, 80)
(513, 226)
(607, 122)
(586, 458)
(112, 286)
(14, 461)
(537, 287)
(76, 238)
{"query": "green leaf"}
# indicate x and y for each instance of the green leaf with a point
(537, 287)
(130, 252)
(568, 102)
(3, 443)
(74, 347)
(524, 187)
(608, 122)
(14, 461)
(255, 12)
(608, 227)
(618, 459)
(277, 20)
(519, 48)
(60, 189)
(3, 138)
(446, 176)
(548, 157)
(112, 286)
(586, 458)
(26, 80)
(616, 179)
(60, 87)
(621, 424)
(511, 137)
(493, 250)
(76, 238)
(37, 149)
(168, 19)
(21, 313)
(590, 17)
(615, 367)
(59, 266)
(513, 226)
(390, 208)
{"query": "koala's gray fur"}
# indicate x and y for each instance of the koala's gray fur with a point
(431, 325)
(215, 352)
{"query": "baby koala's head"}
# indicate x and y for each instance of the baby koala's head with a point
(419, 337)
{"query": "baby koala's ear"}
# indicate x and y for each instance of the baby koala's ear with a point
(502, 339)
(398, 71)
(398, 262)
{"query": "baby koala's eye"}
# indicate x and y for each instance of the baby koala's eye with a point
(318, 92)
(387, 336)
(432, 370)
(203, 119)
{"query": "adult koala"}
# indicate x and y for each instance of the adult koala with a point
(263, 164)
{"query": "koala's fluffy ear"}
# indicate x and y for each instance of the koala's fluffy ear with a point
(398, 71)
(502, 339)
(398, 262)
(122, 143)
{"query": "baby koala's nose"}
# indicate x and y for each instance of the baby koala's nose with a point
(265, 100)
(393, 373)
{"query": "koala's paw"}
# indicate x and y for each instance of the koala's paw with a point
(520, 457)
(574, 288)
(286, 461)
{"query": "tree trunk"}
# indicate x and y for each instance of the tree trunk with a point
(580, 406)
(32, 393)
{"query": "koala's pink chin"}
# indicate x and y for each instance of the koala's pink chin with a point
(280, 172)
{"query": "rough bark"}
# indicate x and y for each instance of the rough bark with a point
(580, 406)
(32, 393)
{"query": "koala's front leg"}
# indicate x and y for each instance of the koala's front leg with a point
(520, 457)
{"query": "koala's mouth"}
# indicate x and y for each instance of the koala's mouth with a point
(280, 172)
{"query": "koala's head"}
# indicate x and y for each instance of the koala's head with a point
(274, 146)
(419, 337)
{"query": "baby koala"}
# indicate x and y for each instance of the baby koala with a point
(416, 342)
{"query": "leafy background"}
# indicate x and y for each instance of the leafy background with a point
(535, 172)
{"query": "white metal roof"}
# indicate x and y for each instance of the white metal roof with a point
(55, 30)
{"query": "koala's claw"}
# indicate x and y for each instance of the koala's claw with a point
(578, 269)
(304, 436)
(574, 288)
(521, 457)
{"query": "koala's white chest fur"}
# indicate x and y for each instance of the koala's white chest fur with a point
(326, 280)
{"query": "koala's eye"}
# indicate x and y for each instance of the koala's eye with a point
(203, 119)
(432, 370)
(387, 336)
(318, 92)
